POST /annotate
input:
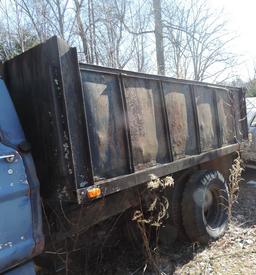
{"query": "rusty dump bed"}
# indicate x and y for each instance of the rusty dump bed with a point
(90, 125)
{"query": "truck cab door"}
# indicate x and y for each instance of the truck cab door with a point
(16, 232)
(21, 236)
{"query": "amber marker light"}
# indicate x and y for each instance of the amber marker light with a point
(93, 193)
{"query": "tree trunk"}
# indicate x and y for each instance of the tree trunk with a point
(159, 37)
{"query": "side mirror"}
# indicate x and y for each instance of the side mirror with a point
(253, 124)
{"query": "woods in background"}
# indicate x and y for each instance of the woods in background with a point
(179, 38)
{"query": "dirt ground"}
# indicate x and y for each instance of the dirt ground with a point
(235, 253)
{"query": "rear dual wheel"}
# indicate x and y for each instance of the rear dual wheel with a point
(205, 205)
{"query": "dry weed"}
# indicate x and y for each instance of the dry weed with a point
(235, 178)
(153, 215)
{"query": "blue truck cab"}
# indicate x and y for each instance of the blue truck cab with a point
(21, 237)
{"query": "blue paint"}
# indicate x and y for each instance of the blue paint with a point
(20, 209)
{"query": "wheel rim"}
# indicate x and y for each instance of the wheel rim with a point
(212, 207)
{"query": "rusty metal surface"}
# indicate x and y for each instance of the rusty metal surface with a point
(181, 119)
(169, 121)
(106, 124)
(117, 184)
(145, 118)
(165, 119)
(97, 68)
(207, 118)
(226, 118)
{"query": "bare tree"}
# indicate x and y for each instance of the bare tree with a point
(199, 48)
(50, 17)
(139, 20)
(159, 37)
(208, 43)
(35, 12)
(58, 13)
(15, 33)
(81, 29)
(176, 46)
(114, 43)
(185, 38)
(92, 32)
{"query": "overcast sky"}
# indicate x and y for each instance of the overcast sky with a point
(241, 17)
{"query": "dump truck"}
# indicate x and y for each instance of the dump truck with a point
(97, 135)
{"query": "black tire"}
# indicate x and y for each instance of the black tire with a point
(176, 206)
(205, 206)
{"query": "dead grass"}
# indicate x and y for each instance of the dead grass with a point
(235, 179)
(152, 213)
(235, 253)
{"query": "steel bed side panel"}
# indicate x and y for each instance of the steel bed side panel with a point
(89, 124)
(161, 122)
